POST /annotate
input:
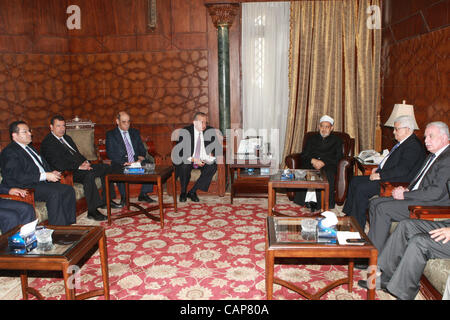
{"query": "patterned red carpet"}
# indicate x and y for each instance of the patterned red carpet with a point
(211, 251)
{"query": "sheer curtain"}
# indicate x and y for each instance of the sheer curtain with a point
(265, 64)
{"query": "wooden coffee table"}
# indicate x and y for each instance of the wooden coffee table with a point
(71, 244)
(284, 240)
(314, 179)
(159, 176)
(246, 185)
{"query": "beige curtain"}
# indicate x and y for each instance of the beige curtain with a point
(334, 69)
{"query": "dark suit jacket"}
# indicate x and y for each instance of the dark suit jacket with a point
(403, 164)
(433, 187)
(328, 149)
(115, 147)
(4, 189)
(18, 168)
(59, 156)
(185, 143)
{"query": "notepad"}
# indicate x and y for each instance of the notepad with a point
(342, 237)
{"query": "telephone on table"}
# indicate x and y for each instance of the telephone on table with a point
(371, 156)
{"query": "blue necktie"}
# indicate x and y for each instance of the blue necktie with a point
(384, 159)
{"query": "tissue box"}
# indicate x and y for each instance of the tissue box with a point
(21, 244)
(131, 170)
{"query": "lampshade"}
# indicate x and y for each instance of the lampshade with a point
(402, 110)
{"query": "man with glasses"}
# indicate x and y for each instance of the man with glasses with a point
(23, 167)
(124, 146)
(400, 165)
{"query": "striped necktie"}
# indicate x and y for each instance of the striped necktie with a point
(35, 156)
(129, 148)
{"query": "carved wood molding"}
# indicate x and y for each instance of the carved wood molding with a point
(222, 14)
(152, 14)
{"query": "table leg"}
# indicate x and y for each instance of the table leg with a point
(161, 206)
(174, 185)
(108, 200)
(24, 284)
(350, 275)
(371, 274)
(70, 291)
(271, 200)
(270, 260)
(104, 264)
(127, 194)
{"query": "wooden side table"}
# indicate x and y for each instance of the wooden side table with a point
(365, 168)
(77, 241)
(246, 185)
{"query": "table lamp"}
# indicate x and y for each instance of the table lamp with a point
(402, 110)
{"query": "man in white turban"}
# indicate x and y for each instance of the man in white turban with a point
(322, 151)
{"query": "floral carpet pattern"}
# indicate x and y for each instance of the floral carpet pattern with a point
(209, 250)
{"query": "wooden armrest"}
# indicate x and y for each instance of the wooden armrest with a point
(429, 212)
(67, 178)
(293, 161)
(387, 187)
(29, 198)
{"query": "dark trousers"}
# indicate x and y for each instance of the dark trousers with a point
(146, 187)
(406, 253)
(360, 190)
(60, 202)
(14, 213)
(87, 178)
(184, 172)
(300, 194)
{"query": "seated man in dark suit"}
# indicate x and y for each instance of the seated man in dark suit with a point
(427, 188)
(323, 151)
(23, 167)
(400, 165)
(124, 146)
(14, 213)
(195, 143)
(62, 154)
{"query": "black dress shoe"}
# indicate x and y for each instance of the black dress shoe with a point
(146, 198)
(193, 196)
(183, 197)
(311, 205)
(114, 205)
(361, 266)
(96, 215)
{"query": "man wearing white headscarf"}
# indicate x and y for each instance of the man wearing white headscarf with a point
(322, 151)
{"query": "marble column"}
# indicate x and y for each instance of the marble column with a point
(222, 15)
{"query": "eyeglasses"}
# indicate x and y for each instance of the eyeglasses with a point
(396, 129)
(24, 131)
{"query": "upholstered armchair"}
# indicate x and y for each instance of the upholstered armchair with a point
(345, 166)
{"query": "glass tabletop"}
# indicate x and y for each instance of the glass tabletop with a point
(63, 241)
(288, 230)
(297, 175)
